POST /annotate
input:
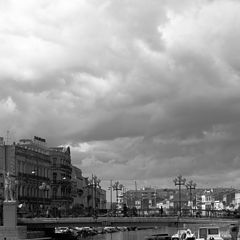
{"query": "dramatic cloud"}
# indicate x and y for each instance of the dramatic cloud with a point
(140, 91)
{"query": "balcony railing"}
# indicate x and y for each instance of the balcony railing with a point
(63, 198)
(62, 166)
(34, 199)
(27, 176)
(61, 182)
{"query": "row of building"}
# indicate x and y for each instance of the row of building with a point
(203, 201)
(44, 179)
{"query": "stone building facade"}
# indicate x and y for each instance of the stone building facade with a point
(28, 163)
(45, 180)
(79, 185)
(61, 171)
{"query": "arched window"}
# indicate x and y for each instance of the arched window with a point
(19, 190)
(23, 191)
(54, 193)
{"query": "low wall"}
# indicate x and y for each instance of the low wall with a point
(46, 223)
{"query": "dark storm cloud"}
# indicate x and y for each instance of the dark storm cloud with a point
(140, 91)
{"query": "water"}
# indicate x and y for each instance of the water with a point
(141, 234)
(128, 235)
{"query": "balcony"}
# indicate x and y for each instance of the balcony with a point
(80, 192)
(34, 199)
(30, 176)
(63, 198)
(61, 182)
(62, 167)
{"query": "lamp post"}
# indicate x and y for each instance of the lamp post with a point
(116, 187)
(191, 186)
(35, 173)
(66, 194)
(179, 181)
(110, 188)
(90, 185)
(124, 195)
(94, 183)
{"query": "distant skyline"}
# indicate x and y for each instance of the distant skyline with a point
(140, 90)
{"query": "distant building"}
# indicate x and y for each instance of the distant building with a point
(237, 200)
(144, 198)
(102, 198)
(96, 196)
(218, 205)
(207, 202)
(231, 199)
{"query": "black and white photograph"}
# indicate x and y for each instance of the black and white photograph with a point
(120, 119)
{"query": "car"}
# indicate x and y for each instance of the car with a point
(183, 235)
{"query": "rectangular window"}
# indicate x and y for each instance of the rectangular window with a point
(54, 177)
(54, 161)
(213, 231)
(203, 233)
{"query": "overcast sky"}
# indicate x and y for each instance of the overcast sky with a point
(141, 90)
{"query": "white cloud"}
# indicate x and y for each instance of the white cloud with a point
(134, 88)
(7, 106)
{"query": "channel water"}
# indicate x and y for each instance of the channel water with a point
(130, 235)
(141, 234)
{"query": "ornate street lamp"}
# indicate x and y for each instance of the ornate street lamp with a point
(110, 188)
(94, 183)
(35, 174)
(116, 187)
(191, 186)
(179, 181)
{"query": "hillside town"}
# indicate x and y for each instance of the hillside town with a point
(47, 184)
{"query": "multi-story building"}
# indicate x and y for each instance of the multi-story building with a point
(28, 163)
(61, 184)
(79, 185)
(42, 175)
(44, 180)
(207, 202)
(144, 198)
(102, 198)
(95, 195)
(231, 199)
